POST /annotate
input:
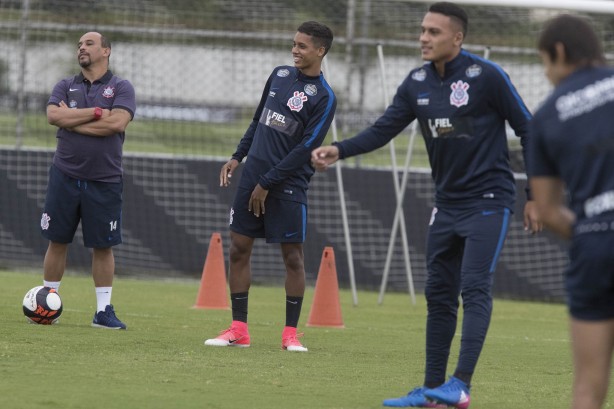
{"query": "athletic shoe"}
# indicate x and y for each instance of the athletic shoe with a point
(453, 393)
(107, 319)
(290, 342)
(235, 336)
(414, 399)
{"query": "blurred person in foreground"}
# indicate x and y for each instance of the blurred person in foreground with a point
(293, 117)
(91, 111)
(571, 168)
(461, 102)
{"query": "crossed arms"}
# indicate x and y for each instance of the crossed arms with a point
(82, 120)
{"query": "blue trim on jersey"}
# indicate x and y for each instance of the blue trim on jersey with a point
(329, 105)
(304, 216)
(525, 110)
(502, 234)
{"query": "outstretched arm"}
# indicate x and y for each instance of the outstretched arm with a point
(324, 156)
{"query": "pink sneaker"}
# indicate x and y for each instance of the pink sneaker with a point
(235, 336)
(290, 342)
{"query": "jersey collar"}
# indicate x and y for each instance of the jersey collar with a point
(79, 78)
(453, 66)
(303, 77)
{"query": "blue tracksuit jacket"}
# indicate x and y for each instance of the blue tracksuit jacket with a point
(292, 119)
(572, 139)
(462, 117)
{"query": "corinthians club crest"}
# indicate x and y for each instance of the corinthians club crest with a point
(459, 95)
(108, 92)
(295, 103)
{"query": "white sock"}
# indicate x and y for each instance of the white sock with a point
(103, 297)
(52, 284)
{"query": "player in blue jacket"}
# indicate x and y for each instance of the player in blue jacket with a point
(572, 154)
(293, 117)
(461, 102)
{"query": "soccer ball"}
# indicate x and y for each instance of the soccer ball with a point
(42, 305)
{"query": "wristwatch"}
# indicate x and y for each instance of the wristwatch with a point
(97, 113)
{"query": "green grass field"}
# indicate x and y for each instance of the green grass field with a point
(161, 362)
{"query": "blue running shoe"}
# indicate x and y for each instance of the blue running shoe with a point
(107, 319)
(414, 399)
(453, 393)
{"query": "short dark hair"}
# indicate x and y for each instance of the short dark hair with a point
(581, 44)
(104, 42)
(322, 35)
(453, 11)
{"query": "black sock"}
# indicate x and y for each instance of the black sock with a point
(239, 306)
(293, 310)
(432, 385)
(464, 376)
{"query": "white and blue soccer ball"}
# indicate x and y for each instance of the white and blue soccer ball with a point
(42, 305)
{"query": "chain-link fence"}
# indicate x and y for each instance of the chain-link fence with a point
(199, 66)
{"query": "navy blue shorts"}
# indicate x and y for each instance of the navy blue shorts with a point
(97, 205)
(285, 221)
(589, 279)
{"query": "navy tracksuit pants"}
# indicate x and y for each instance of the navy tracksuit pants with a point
(462, 251)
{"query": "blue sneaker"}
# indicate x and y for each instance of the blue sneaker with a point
(453, 393)
(414, 399)
(107, 319)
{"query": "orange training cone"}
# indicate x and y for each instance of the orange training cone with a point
(212, 292)
(326, 309)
